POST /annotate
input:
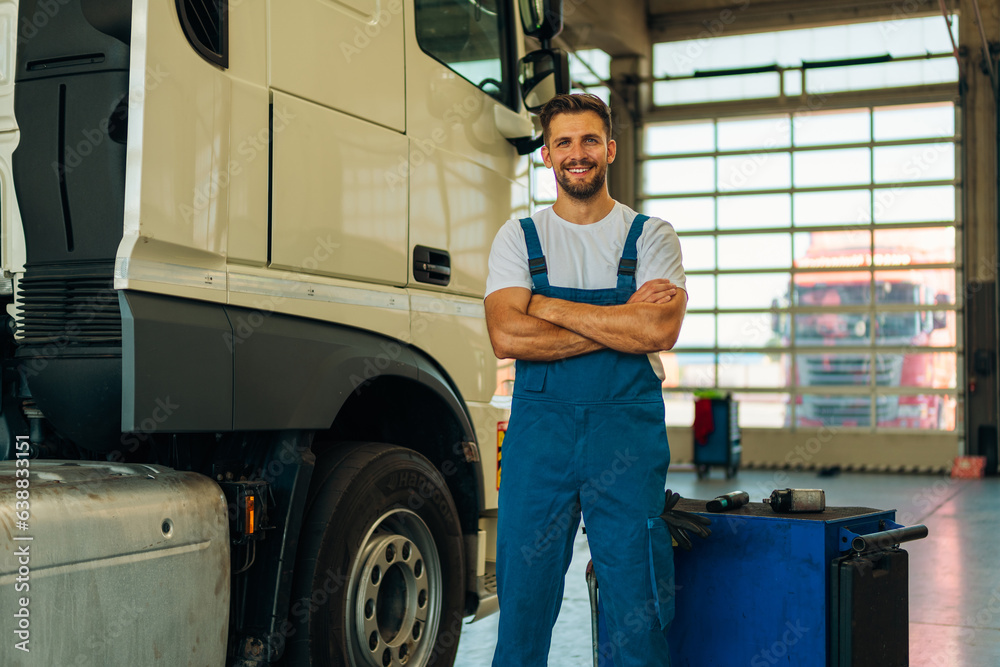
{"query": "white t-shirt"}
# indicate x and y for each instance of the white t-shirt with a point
(585, 256)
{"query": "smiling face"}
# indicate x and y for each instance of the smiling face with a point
(579, 152)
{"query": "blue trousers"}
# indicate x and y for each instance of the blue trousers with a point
(561, 460)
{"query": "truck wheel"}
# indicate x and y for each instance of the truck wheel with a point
(380, 572)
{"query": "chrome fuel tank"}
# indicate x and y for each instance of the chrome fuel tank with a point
(111, 565)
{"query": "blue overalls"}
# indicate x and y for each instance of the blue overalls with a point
(586, 434)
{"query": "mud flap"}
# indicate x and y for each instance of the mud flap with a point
(661, 570)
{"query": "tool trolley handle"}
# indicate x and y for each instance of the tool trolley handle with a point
(888, 538)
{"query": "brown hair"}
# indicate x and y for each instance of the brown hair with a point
(573, 104)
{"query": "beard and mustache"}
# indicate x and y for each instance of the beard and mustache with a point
(582, 190)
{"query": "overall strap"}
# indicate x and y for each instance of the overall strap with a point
(630, 254)
(536, 260)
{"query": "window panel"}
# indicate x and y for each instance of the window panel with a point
(839, 410)
(701, 292)
(925, 287)
(585, 63)
(915, 327)
(678, 408)
(793, 84)
(747, 370)
(832, 289)
(739, 331)
(835, 167)
(717, 89)
(698, 252)
(915, 204)
(824, 128)
(697, 331)
(881, 76)
(914, 122)
(826, 250)
(919, 368)
(688, 369)
(752, 290)
(544, 184)
(924, 245)
(755, 251)
(468, 39)
(685, 214)
(918, 162)
(760, 171)
(743, 134)
(748, 211)
(674, 176)
(925, 411)
(846, 207)
(676, 138)
(759, 410)
(832, 329)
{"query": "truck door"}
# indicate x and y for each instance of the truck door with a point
(336, 72)
(465, 179)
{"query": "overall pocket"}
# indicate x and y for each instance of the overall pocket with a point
(529, 375)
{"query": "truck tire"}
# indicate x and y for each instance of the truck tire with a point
(380, 567)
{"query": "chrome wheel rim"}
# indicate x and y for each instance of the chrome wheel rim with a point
(394, 600)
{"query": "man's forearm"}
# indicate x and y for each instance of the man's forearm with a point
(636, 328)
(528, 338)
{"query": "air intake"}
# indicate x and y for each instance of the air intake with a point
(68, 307)
(206, 25)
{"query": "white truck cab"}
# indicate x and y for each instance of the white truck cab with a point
(244, 246)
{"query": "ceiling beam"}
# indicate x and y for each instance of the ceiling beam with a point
(676, 20)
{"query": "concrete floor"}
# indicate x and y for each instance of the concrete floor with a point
(954, 572)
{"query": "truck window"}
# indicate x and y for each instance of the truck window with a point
(473, 38)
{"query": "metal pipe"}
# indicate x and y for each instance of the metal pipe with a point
(987, 55)
(888, 538)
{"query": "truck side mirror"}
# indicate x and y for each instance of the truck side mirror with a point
(542, 75)
(940, 318)
(541, 19)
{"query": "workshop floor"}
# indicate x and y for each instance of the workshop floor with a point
(954, 572)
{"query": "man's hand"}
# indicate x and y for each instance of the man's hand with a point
(658, 290)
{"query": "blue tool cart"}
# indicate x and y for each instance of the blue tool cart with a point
(716, 435)
(824, 589)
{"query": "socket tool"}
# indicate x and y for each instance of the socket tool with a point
(730, 501)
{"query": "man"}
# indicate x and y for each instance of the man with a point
(587, 426)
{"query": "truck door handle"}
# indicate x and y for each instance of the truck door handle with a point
(431, 265)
